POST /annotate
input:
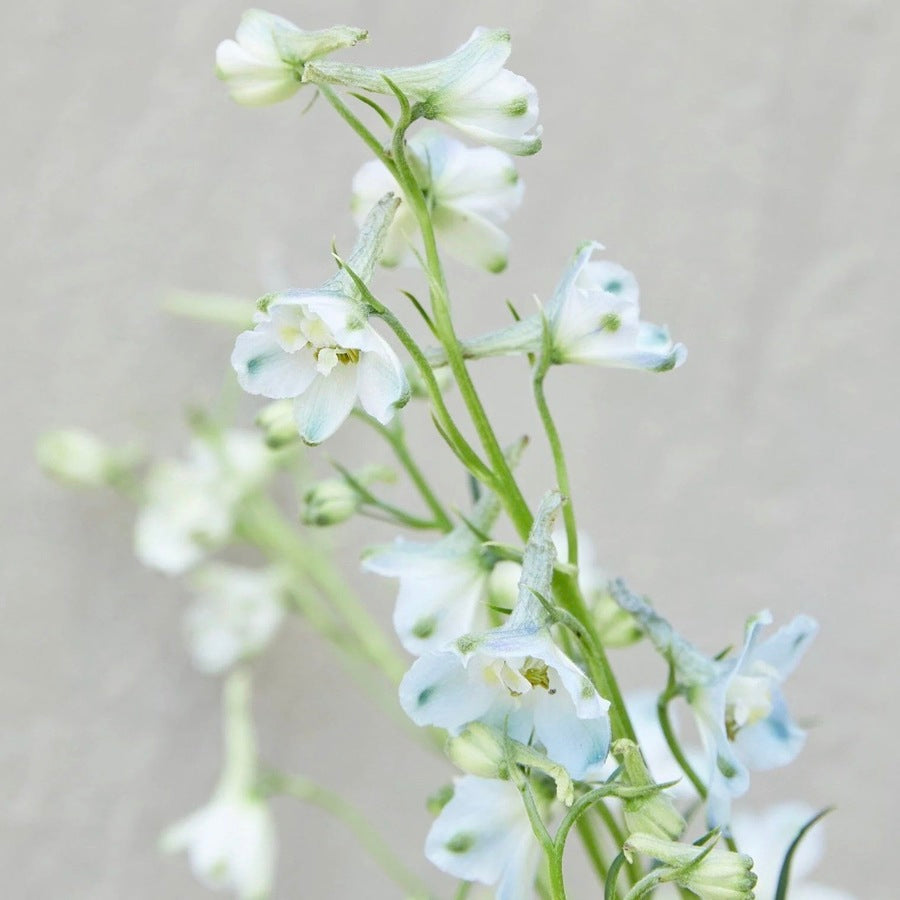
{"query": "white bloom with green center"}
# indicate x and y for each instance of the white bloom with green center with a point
(235, 615)
(471, 192)
(515, 676)
(737, 701)
(766, 837)
(265, 61)
(189, 507)
(318, 347)
(483, 834)
(443, 585)
(231, 841)
(470, 89)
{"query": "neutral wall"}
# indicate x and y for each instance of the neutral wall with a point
(741, 158)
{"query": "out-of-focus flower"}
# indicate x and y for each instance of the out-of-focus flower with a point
(231, 841)
(766, 837)
(80, 459)
(483, 834)
(265, 61)
(318, 347)
(236, 613)
(189, 507)
(470, 193)
(469, 89)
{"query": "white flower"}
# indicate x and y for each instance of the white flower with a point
(235, 615)
(515, 677)
(264, 64)
(483, 834)
(190, 506)
(231, 841)
(766, 837)
(80, 459)
(470, 192)
(318, 347)
(443, 585)
(469, 89)
(594, 318)
(737, 701)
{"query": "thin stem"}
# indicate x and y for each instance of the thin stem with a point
(397, 440)
(511, 495)
(644, 886)
(263, 524)
(364, 831)
(665, 723)
(557, 888)
(619, 837)
(592, 847)
(357, 125)
(559, 458)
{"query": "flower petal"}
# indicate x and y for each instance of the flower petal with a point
(471, 238)
(580, 745)
(383, 386)
(326, 403)
(263, 368)
(784, 649)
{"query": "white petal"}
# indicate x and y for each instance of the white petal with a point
(471, 238)
(784, 649)
(326, 403)
(771, 743)
(383, 386)
(439, 690)
(580, 745)
(263, 368)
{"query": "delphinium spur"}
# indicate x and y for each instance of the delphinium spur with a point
(509, 638)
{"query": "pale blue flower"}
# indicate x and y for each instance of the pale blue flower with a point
(483, 834)
(516, 677)
(737, 701)
(318, 347)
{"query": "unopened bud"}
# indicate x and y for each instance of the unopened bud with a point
(709, 872)
(335, 500)
(653, 814)
(79, 459)
(277, 422)
(503, 584)
(615, 627)
(479, 750)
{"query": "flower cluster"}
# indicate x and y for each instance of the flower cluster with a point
(510, 637)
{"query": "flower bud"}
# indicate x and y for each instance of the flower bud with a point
(335, 500)
(277, 422)
(503, 584)
(79, 459)
(709, 872)
(652, 814)
(479, 750)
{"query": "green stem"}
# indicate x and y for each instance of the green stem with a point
(557, 888)
(357, 125)
(367, 835)
(396, 439)
(592, 847)
(511, 495)
(665, 723)
(619, 837)
(263, 524)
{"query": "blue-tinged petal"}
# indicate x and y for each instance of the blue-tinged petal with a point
(483, 835)
(383, 386)
(326, 403)
(784, 650)
(264, 368)
(579, 745)
(773, 742)
(439, 690)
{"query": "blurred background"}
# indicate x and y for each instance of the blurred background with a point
(741, 158)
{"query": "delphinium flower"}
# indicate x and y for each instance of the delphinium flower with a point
(231, 841)
(318, 347)
(766, 837)
(235, 614)
(443, 584)
(189, 507)
(737, 700)
(265, 61)
(470, 192)
(515, 676)
(470, 89)
(483, 834)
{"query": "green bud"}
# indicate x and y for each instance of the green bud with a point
(653, 814)
(335, 500)
(79, 459)
(708, 871)
(439, 799)
(616, 627)
(277, 422)
(479, 750)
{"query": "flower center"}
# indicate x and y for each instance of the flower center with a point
(532, 673)
(750, 698)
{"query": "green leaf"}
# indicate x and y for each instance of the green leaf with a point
(784, 878)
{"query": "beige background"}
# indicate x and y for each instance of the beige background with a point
(741, 158)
